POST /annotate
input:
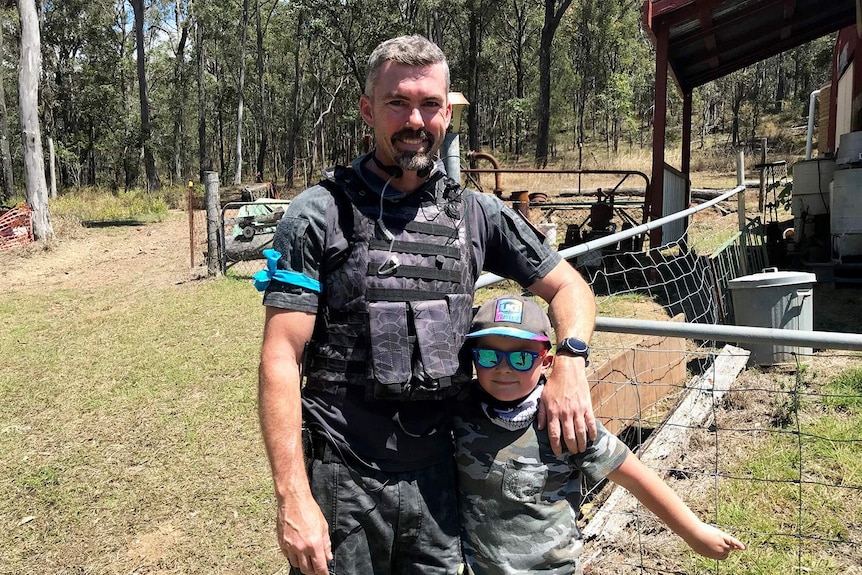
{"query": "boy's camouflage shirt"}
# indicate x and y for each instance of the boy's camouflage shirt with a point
(518, 501)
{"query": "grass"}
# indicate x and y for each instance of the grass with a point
(92, 205)
(786, 522)
(128, 436)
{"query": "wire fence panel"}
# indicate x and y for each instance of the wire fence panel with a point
(774, 462)
(246, 230)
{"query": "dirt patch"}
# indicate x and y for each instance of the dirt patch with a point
(149, 256)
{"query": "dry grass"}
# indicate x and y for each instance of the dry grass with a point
(128, 436)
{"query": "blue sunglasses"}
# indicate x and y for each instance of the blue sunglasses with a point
(519, 360)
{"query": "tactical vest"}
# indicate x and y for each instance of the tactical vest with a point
(396, 293)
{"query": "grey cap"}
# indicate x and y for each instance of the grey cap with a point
(512, 316)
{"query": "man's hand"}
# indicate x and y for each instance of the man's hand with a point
(303, 535)
(566, 408)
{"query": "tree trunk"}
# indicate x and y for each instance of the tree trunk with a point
(553, 16)
(179, 94)
(52, 168)
(204, 159)
(473, 54)
(237, 177)
(153, 183)
(31, 134)
(264, 115)
(8, 182)
(293, 130)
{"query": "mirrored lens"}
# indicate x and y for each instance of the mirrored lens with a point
(519, 360)
(487, 358)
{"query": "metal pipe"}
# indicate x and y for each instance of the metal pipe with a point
(451, 155)
(498, 185)
(732, 333)
(580, 249)
(811, 100)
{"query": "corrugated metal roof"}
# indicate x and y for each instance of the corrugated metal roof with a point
(708, 39)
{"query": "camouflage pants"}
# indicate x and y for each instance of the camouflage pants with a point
(388, 523)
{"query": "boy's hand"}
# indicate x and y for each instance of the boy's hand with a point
(714, 543)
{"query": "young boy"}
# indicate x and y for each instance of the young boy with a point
(519, 502)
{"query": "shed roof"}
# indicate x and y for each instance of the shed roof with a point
(708, 39)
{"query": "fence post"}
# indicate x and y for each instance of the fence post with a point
(211, 185)
(740, 210)
(191, 208)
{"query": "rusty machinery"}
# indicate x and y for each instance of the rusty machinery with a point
(599, 222)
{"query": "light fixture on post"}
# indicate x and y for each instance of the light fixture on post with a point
(451, 149)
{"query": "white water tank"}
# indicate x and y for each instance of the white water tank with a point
(846, 216)
(811, 181)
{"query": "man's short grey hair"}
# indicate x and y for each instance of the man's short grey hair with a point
(413, 50)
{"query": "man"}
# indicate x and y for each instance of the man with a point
(369, 297)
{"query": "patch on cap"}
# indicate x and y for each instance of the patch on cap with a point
(509, 310)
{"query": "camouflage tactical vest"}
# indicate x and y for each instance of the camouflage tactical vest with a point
(396, 293)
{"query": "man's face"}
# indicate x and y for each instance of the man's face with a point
(409, 111)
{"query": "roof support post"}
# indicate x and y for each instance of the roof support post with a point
(659, 132)
(685, 166)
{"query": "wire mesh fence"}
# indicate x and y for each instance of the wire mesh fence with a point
(775, 461)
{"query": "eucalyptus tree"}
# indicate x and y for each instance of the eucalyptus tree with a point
(8, 189)
(516, 28)
(554, 11)
(153, 182)
(29, 67)
(240, 91)
(261, 27)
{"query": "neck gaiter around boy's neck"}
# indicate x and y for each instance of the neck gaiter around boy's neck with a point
(511, 415)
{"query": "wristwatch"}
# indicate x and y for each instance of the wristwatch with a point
(574, 346)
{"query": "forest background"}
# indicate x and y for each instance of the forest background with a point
(148, 94)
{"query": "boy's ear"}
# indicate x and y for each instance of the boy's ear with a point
(547, 361)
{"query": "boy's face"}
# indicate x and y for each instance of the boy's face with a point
(504, 382)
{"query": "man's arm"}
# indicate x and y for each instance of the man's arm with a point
(567, 410)
(303, 533)
(658, 497)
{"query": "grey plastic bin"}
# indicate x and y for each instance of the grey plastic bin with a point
(779, 300)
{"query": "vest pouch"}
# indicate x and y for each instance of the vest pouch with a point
(390, 344)
(440, 331)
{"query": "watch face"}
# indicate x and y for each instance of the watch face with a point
(575, 345)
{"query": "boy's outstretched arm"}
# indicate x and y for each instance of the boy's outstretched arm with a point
(658, 497)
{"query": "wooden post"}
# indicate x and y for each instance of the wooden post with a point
(211, 184)
(761, 198)
(191, 208)
(740, 211)
(659, 133)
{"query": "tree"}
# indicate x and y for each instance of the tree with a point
(243, 32)
(28, 101)
(153, 183)
(553, 15)
(8, 183)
